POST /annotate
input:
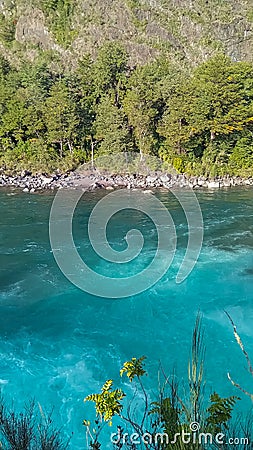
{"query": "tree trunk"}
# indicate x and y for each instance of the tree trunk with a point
(61, 149)
(70, 147)
(142, 140)
(92, 153)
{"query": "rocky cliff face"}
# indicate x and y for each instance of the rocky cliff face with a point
(185, 30)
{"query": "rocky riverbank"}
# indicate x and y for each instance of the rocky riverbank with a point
(94, 180)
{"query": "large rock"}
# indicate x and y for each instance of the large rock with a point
(201, 182)
(165, 178)
(46, 180)
(151, 179)
(213, 184)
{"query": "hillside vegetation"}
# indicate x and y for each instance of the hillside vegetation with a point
(172, 79)
(186, 30)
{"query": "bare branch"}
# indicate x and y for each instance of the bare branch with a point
(239, 387)
(240, 343)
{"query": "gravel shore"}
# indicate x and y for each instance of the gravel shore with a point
(94, 180)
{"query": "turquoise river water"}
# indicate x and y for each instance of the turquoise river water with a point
(58, 344)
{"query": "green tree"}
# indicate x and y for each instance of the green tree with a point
(60, 13)
(87, 103)
(110, 128)
(176, 126)
(241, 157)
(224, 95)
(60, 117)
(110, 70)
(143, 105)
(211, 108)
(7, 28)
(13, 117)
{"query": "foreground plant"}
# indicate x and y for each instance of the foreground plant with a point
(29, 430)
(244, 351)
(172, 421)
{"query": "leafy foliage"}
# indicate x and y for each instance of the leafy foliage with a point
(220, 412)
(133, 368)
(107, 403)
(59, 14)
(171, 415)
(200, 123)
(7, 29)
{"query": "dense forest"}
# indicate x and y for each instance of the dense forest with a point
(169, 78)
(199, 121)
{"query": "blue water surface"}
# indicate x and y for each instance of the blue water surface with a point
(59, 344)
